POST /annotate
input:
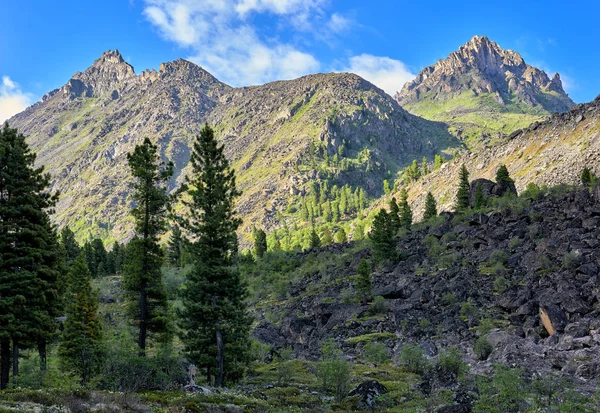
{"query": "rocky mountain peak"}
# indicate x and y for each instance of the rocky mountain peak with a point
(481, 66)
(105, 75)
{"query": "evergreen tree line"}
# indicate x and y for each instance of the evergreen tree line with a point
(46, 292)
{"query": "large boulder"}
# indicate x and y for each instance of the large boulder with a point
(491, 189)
(368, 393)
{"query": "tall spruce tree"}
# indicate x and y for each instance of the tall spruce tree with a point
(175, 247)
(405, 210)
(80, 349)
(430, 207)
(70, 246)
(260, 242)
(382, 237)
(395, 214)
(502, 175)
(143, 260)
(464, 190)
(479, 199)
(215, 325)
(29, 252)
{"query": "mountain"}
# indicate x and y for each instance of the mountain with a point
(280, 137)
(482, 89)
(551, 152)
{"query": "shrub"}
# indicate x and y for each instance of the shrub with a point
(333, 371)
(498, 257)
(376, 352)
(378, 306)
(505, 392)
(501, 284)
(571, 260)
(413, 358)
(514, 243)
(450, 364)
(285, 370)
(482, 348)
(347, 296)
(448, 299)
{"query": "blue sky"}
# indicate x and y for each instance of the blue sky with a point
(242, 42)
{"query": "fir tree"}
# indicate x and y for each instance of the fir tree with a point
(502, 175)
(327, 216)
(437, 162)
(260, 242)
(80, 349)
(382, 237)
(405, 210)
(359, 231)
(175, 247)
(395, 214)
(386, 187)
(415, 171)
(479, 201)
(463, 193)
(214, 323)
(586, 177)
(70, 246)
(343, 205)
(340, 236)
(363, 283)
(430, 207)
(29, 253)
(142, 275)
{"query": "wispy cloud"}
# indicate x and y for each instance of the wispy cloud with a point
(222, 39)
(384, 72)
(12, 99)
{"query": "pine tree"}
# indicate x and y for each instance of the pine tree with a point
(382, 237)
(502, 175)
(395, 214)
(327, 212)
(343, 205)
(314, 241)
(586, 177)
(260, 242)
(80, 349)
(430, 207)
(464, 189)
(29, 253)
(142, 277)
(214, 323)
(327, 238)
(437, 162)
(424, 167)
(340, 236)
(405, 210)
(70, 246)
(359, 231)
(363, 283)
(479, 201)
(415, 171)
(386, 187)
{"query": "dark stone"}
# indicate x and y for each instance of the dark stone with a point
(557, 317)
(368, 393)
(457, 408)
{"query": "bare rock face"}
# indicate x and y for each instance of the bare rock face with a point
(482, 66)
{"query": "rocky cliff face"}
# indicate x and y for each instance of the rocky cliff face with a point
(272, 133)
(482, 77)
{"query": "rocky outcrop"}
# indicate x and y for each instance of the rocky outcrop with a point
(528, 271)
(481, 66)
(490, 189)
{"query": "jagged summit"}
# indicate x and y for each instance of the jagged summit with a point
(481, 66)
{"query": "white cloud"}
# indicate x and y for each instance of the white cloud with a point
(222, 40)
(388, 74)
(339, 23)
(12, 99)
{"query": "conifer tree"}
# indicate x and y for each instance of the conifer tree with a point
(424, 167)
(382, 237)
(70, 246)
(327, 238)
(175, 247)
(29, 252)
(340, 236)
(214, 323)
(586, 177)
(405, 210)
(479, 201)
(80, 349)
(142, 275)
(463, 193)
(502, 175)
(260, 242)
(395, 214)
(359, 231)
(430, 207)
(363, 283)
(437, 162)
(415, 171)
(386, 187)
(343, 205)
(314, 241)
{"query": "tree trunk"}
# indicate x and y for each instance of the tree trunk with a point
(219, 378)
(42, 353)
(15, 358)
(143, 320)
(4, 363)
